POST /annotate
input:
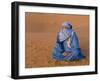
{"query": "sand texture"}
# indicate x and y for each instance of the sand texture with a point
(40, 38)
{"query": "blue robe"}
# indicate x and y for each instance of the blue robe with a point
(74, 52)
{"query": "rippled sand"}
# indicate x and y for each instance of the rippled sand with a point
(40, 37)
(39, 52)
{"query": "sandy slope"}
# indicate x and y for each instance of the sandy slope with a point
(41, 30)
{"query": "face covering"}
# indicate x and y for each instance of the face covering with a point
(62, 35)
(65, 33)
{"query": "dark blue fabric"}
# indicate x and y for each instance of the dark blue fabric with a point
(74, 52)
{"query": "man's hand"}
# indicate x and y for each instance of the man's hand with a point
(65, 53)
(69, 42)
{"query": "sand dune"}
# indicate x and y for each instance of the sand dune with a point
(41, 30)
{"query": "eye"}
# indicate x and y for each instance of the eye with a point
(65, 27)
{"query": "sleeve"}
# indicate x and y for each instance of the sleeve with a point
(57, 37)
(75, 42)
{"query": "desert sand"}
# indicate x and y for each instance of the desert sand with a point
(40, 37)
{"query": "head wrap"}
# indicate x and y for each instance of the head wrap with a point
(63, 33)
(67, 25)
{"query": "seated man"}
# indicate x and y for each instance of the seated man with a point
(67, 45)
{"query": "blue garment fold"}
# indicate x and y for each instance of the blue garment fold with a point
(74, 52)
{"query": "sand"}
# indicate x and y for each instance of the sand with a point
(40, 38)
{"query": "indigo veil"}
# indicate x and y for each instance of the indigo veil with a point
(67, 42)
